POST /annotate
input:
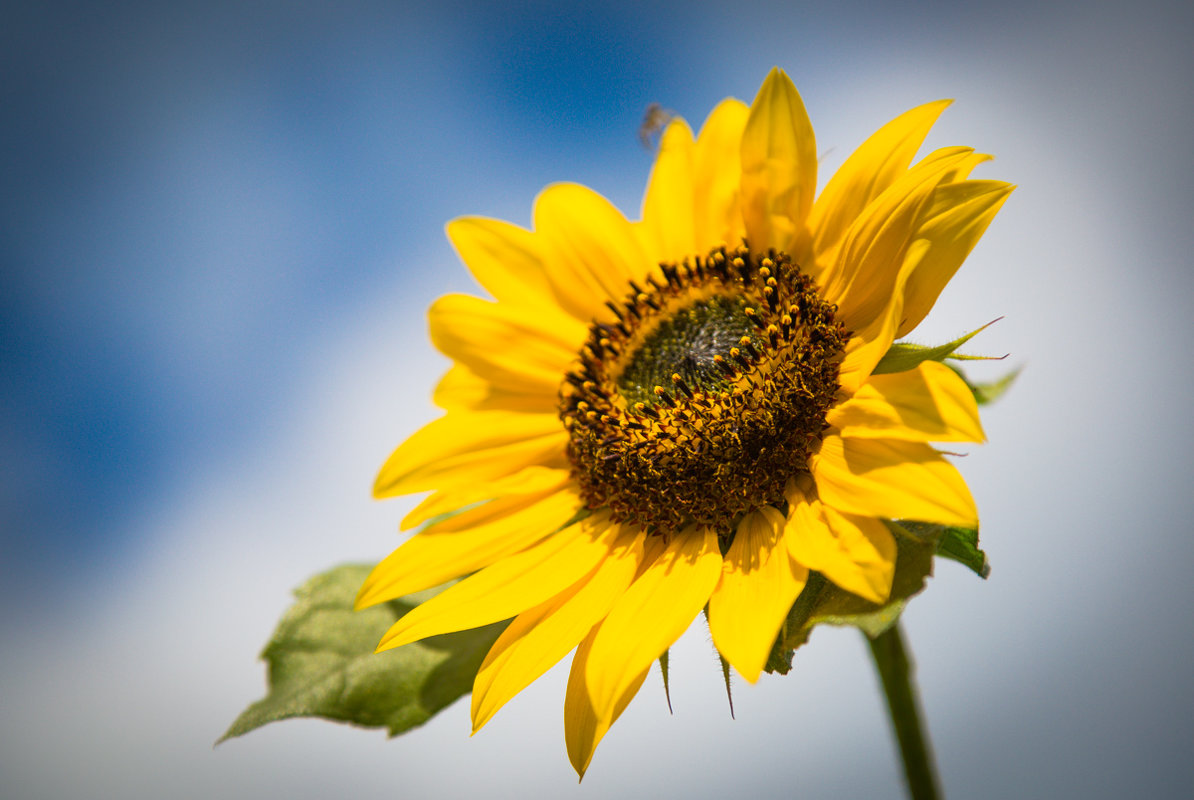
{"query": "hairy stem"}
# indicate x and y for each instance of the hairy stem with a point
(896, 674)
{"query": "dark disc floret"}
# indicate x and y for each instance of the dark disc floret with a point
(703, 393)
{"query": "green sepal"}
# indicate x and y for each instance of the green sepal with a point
(903, 356)
(823, 603)
(667, 692)
(956, 544)
(990, 391)
(725, 676)
(321, 661)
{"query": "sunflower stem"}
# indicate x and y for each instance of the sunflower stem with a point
(899, 685)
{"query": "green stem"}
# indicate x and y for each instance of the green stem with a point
(895, 672)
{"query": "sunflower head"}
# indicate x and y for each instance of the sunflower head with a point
(687, 413)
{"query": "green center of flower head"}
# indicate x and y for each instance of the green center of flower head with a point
(703, 395)
(687, 344)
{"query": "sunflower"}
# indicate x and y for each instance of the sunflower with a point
(680, 414)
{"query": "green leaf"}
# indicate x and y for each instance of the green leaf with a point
(985, 393)
(823, 603)
(321, 661)
(956, 544)
(903, 356)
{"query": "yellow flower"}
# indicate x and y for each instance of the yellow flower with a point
(680, 414)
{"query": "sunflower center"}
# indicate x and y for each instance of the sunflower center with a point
(702, 395)
(686, 344)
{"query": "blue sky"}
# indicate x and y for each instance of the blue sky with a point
(222, 225)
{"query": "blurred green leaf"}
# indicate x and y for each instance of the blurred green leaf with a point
(903, 356)
(823, 603)
(956, 544)
(321, 661)
(991, 391)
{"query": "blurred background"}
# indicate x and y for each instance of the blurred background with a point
(223, 222)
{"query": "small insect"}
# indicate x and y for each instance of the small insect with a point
(655, 119)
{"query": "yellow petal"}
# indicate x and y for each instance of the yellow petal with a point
(510, 586)
(462, 389)
(874, 247)
(512, 349)
(583, 727)
(867, 346)
(467, 446)
(504, 258)
(590, 250)
(857, 553)
(497, 530)
(668, 203)
(539, 637)
(893, 480)
(929, 403)
(516, 491)
(956, 220)
(779, 165)
(651, 615)
(959, 161)
(759, 582)
(717, 174)
(496, 509)
(875, 165)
